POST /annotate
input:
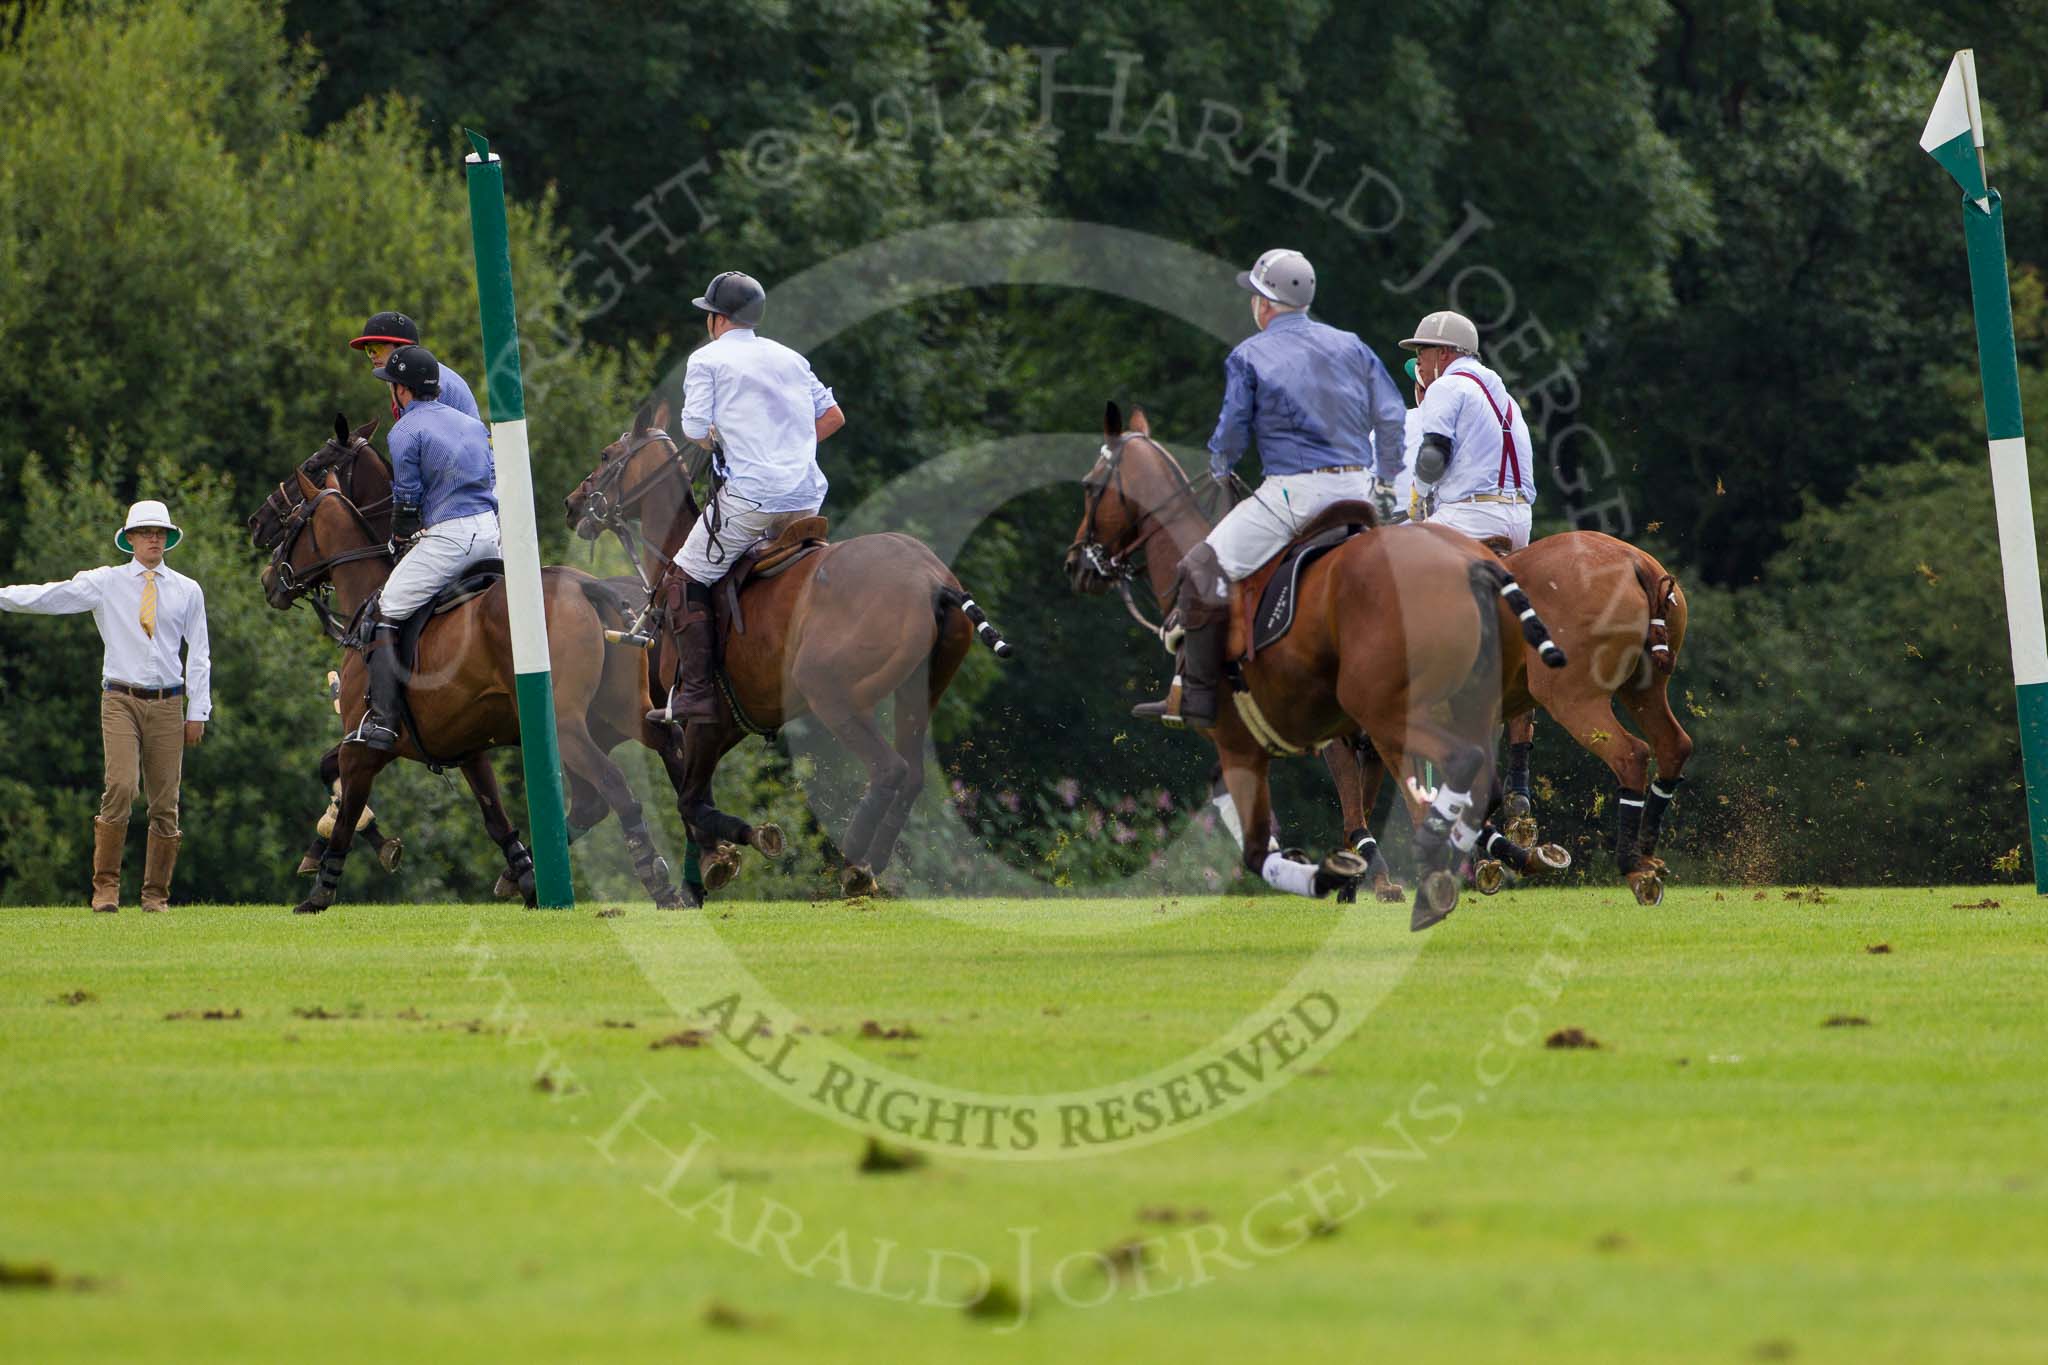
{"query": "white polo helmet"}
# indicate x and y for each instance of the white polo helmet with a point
(1446, 328)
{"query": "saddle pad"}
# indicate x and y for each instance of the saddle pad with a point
(1277, 602)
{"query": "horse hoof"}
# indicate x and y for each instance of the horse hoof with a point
(1521, 829)
(1392, 892)
(768, 841)
(1516, 806)
(1648, 886)
(720, 866)
(1549, 858)
(1347, 894)
(1489, 877)
(529, 890)
(858, 880)
(1435, 897)
(308, 865)
(390, 852)
(672, 899)
(307, 908)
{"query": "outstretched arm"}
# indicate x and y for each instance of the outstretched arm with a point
(80, 592)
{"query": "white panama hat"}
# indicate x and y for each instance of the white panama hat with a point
(148, 513)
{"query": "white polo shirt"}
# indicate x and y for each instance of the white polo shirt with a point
(114, 597)
(1455, 407)
(766, 403)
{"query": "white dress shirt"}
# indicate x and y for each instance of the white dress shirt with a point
(1454, 407)
(766, 403)
(114, 597)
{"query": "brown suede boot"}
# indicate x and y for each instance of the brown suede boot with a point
(108, 840)
(157, 863)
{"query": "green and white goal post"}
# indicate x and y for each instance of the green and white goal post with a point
(519, 529)
(1954, 136)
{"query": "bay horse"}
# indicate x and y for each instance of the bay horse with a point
(843, 628)
(461, 695)
(1617, 614)
(1397, 635)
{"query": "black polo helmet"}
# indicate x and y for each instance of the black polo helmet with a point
(736, 295)
(394, 329)
(414, 367)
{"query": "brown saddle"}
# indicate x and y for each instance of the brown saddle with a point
(1262, 606)
(762, 560)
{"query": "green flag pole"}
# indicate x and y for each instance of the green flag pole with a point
(519, 530)
(1954, 136)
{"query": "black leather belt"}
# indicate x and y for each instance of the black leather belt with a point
(145, 693)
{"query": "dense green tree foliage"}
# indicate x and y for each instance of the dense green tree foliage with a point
(1728, 289)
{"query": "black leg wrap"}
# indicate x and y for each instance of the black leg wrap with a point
(1518, 768)
(1494, 844)
(1628, 824)
(1662, 794)
(650, 867)
(329, 879)
(1432, 840)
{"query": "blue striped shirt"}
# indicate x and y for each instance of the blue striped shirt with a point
(1311, 396)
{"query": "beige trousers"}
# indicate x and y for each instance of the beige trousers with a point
(145, 744)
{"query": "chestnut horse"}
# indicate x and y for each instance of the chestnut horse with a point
(461, 694)
(833, 635)
(1398, 634)
(1615, 611)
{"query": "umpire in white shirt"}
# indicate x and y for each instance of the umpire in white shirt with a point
(758, 400)
(152, 704)
(1473, 471)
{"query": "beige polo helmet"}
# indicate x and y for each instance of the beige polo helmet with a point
(1446, 328)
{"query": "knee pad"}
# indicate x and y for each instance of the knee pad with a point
(1202, 579)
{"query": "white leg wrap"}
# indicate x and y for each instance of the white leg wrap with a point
(1284, 874)
(1450, 805)
(1226, 811)
(1463, 837)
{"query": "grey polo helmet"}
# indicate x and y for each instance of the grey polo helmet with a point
(1445, 328)
(1283, 276)
(736, 295)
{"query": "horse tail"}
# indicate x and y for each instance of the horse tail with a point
(956, 599)
(1660, 589)
(1495, 575)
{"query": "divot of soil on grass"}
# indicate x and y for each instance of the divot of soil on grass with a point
(1166, 1213)
(314, 1012)
(870, 1029)
(1812, 895)
(998, 1301)
(1986, 904)
(689, 1037)
(1612, 1242)
(1877, 948)
(1125, 1258)
(619, 1023)
(610, 912)
(881, 1160)
(726, 1318)
(410, 1015)
(1777, 1348)
(43, 1275)
(204, 1014)
(1567, 1038)
(1845, 1021)
(77, 997)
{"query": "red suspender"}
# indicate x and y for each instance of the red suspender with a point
(1508, 458)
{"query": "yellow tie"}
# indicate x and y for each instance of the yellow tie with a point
(149, 603)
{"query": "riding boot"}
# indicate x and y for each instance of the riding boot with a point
(379, 729)
(109, 838)
(1205, 618)
(695, 694)
(158, 860)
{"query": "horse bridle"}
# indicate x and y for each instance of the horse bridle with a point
(605, 507)
(287, 499)
(1119, 569)
(313, 582)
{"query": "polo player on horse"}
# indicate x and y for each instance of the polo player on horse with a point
(1472, 471)
(1308, 394)
(443, 486)
(759, 402)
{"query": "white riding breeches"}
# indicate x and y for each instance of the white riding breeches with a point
(706, 558)
(443, 550)
(1482, 519)
(1277, 511)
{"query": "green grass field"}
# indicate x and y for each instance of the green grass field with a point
(364, 1166)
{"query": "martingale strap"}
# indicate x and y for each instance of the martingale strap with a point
(1510, 458)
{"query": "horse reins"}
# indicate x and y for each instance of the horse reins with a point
(1120, 569)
